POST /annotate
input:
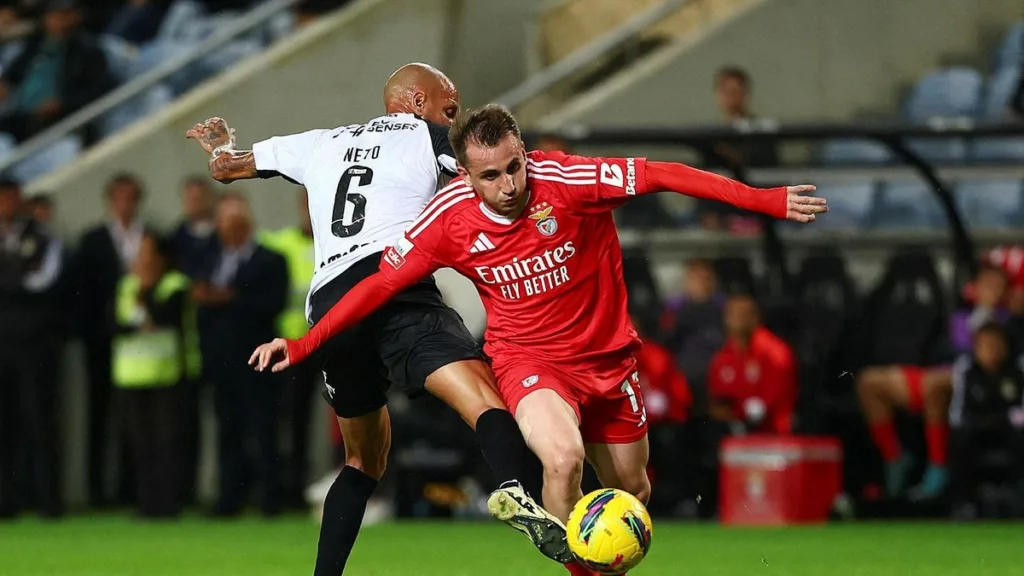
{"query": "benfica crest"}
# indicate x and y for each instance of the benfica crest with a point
(541, 214)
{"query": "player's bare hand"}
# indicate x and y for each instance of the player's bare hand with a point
(266, 353)
(212, 134)
(801, 206)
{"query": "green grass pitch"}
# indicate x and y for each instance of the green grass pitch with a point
(113, 546)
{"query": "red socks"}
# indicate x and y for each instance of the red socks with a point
(936, 435)
(883, 433)
(577, 569)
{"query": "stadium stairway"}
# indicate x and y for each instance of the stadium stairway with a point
(818, 60)
(327, 74)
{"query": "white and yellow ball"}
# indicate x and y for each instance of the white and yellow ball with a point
(609, 531)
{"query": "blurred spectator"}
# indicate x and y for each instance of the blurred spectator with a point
(239, 298)
(552, 143)
(40, 208)
(150, 360)
(30, 345)
(752, 379)
(693, 326)
(105, 253)
(17, 19)
(667, 401)
(137, 21)
(986, 414)
(296, 245)
(194, 242)
(986, 296)
(732, 90)
(60, 70)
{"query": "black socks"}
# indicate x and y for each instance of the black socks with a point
(343, 515)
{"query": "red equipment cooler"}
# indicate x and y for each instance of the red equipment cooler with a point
(778, 479)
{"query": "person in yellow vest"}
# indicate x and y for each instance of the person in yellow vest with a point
(154, 350)
(295, 243)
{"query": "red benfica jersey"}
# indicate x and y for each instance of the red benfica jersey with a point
(551, 279)
(765, 370)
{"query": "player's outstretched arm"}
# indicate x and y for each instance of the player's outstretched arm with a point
(361, 301)
(785, 202)
(226, 163)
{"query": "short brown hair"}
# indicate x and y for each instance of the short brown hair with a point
(732, 73)
(485, 126)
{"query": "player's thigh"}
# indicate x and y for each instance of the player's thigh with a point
(550, 426)
(420, 340)
(622, 466)
(468, 386)
(897, 385)
(937, 384)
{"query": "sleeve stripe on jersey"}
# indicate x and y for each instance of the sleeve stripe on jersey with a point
(560, 166)
(426, 223)
(440, 198)
(576, 181)
(559, 172)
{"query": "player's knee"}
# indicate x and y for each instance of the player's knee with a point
(640, 486)
(563, 460)
(370, 458)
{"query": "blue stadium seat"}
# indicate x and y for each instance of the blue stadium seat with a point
(62, 152)
(7, 144)
(854, 151)
(946, 93)
(145, 104)
(991, 203)
(120, 56)
(849, 205)
(1000, 89)
(909, 204)
(1011, 51)
(940, 150)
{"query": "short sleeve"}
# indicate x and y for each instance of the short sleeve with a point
(591, 184)
(287, 156)
(444, 155)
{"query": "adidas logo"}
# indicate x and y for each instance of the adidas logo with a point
(482, 244)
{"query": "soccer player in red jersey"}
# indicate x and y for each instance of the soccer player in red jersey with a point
(535, 234)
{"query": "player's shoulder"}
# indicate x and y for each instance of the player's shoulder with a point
(451, 203)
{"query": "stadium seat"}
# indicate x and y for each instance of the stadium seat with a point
(991, 203)
(149, 102)
(827, 300)
(904, 317)
(1001, 87)
(906, 205)
(179, 20)
(644, 299)
(854, 151)
(1011, 51)
(947, 93)
(62, 152)
(120, 56)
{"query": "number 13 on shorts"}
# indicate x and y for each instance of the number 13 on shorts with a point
(635, 400)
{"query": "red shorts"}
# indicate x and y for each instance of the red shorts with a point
(607, 400)
(914, 375)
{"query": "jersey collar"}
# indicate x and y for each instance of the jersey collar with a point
(498, 218)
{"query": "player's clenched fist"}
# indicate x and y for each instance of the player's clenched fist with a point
(802, 208)
(212, 134)
(265, 354)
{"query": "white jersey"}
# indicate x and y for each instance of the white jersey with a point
(366, 183)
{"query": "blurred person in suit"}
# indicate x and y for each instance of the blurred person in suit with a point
(295, 244)
(31, 266)
(105, 253)
(240, 297)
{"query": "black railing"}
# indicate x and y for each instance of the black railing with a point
(894, 137)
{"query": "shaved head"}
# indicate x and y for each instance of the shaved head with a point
(423, 90)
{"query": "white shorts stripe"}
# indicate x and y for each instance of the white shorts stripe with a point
(554, 164)
(576, 181)
(417, 229)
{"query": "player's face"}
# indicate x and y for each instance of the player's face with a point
(498, 174)
(440, 104)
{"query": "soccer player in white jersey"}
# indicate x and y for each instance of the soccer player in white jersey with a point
(366, 185)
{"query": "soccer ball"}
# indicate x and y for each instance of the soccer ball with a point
(609, 531)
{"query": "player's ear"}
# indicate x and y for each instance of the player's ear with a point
(419, 101)
(464, 174)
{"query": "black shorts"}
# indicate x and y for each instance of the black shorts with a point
(402, 343)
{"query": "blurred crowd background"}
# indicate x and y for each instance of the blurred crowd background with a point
(133, 288)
